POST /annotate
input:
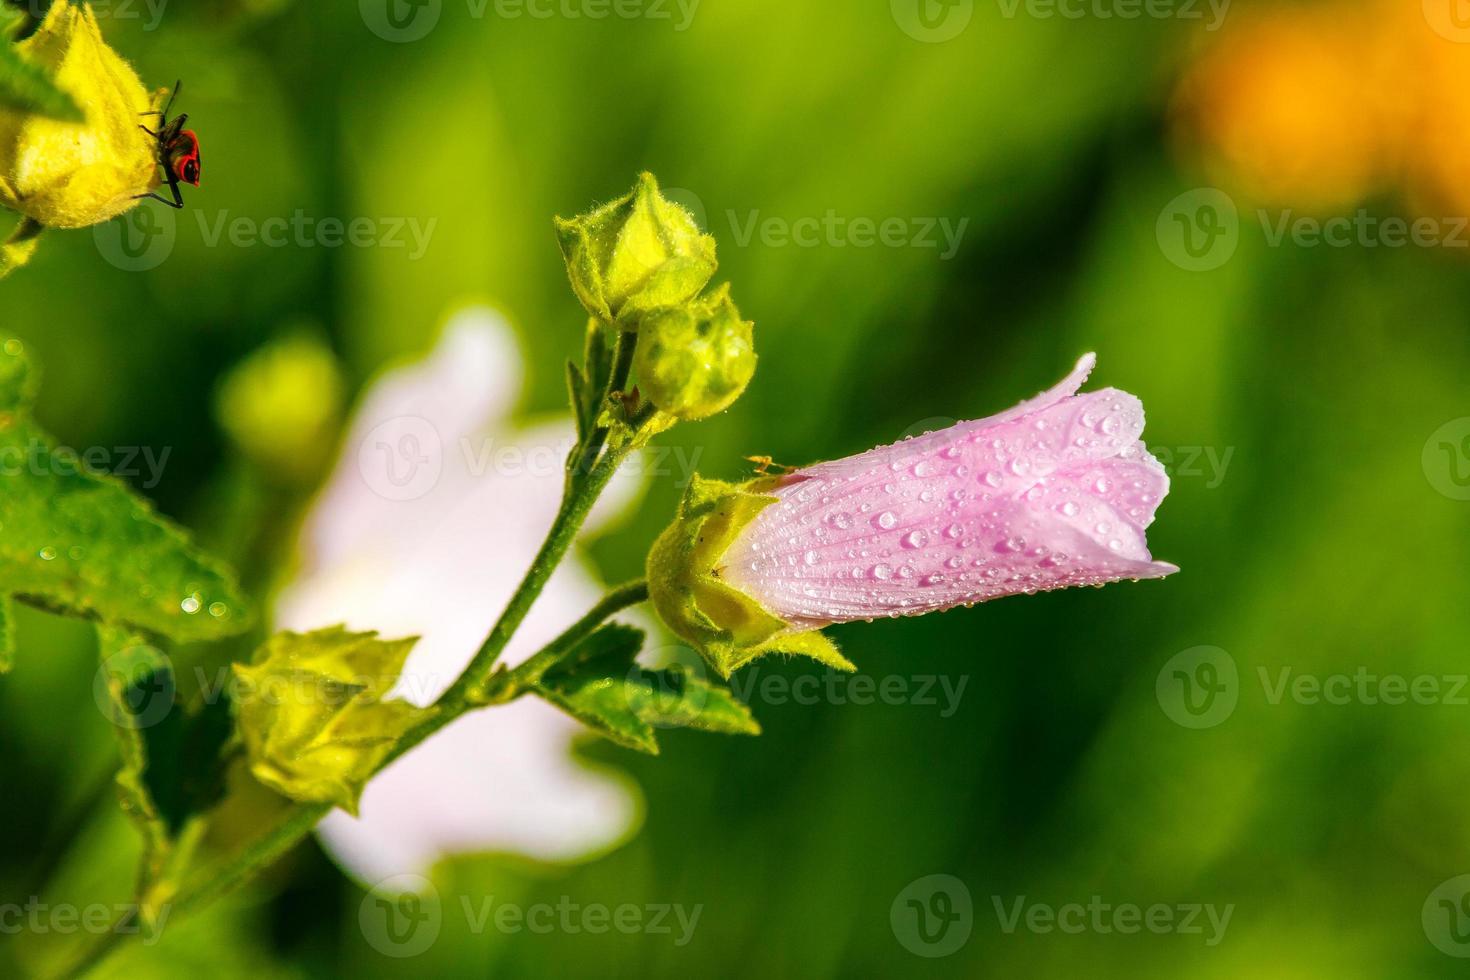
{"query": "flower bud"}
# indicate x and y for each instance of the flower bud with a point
(312, 715)
(281, 406)
(73, 174)
(693, 361)
(636, 254)
(728, 627)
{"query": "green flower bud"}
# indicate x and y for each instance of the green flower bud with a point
(727, 627)
(636, 254)
(281, 406)
(312, 716)
(695, 360)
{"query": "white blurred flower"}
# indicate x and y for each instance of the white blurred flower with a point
(433, 514)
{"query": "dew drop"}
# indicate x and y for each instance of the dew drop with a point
(886, 520)
(882, 572)
(953, 532)
(915, 539)
(1068, 509)
(191, 604)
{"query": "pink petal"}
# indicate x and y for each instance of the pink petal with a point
(1054, 493)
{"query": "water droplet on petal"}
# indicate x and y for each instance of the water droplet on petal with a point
(915, 539)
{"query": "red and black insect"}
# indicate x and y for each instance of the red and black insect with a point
(178, 151)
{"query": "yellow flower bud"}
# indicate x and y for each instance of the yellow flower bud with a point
(75, 174)
(695, 360)
(312, 715)
(636, 254)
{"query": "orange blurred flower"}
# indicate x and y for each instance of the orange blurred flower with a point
(1322, 105)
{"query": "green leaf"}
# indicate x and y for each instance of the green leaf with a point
(140, 691)
(602, 686)
(312, 716)
(7, 635)
(80, 543)
(25, 88)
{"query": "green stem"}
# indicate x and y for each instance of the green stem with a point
(569, 521)
(590, 469)
(298, 820)
(509, 685)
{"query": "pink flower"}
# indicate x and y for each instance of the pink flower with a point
(436, 508)
(1056, 492)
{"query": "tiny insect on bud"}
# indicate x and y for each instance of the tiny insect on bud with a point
(639, 253)
(694, 361)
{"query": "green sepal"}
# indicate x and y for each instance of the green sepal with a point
(638, 253)
(577, 395)
(80, 543)
(311, 713)
(17, 250)
(602, 686)
(728, 627)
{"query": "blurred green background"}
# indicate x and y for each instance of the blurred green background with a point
(1327, 536)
